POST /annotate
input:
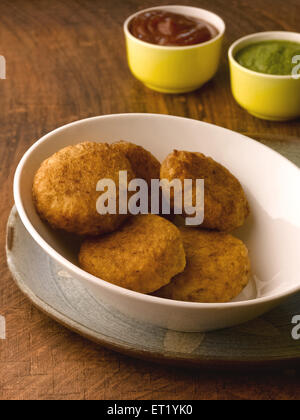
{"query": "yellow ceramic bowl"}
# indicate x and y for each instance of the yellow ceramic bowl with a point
(175, 69)
(275, 98)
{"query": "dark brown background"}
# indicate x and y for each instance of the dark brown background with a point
(66, 61)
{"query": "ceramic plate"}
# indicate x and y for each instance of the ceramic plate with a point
(264, 342)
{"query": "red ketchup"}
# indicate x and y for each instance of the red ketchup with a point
(170, 29)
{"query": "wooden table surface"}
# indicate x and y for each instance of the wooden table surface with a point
(66, 61)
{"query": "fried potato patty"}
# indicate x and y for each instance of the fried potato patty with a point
(142, 256)
(225, 203)
(64, 188)
(143, 163)
(217, 270)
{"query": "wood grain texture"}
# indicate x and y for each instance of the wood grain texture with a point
(66, 61)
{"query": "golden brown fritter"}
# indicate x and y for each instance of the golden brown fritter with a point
(143, 163)
(142, 256)
(225, 204)
(217, 270)
(64, 188)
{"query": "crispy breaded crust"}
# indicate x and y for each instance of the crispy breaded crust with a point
(217, 270)
(142, 256)
(143, 163)
(225, 205)
(64, 188)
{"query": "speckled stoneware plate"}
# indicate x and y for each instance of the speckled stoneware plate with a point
(264, 342)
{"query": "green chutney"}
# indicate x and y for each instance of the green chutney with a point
(270, 57)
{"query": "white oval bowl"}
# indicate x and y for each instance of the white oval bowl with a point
(272, 233)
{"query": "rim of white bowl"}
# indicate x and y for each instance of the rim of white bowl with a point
(270, 35)
(175, 48)
(95, 280)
